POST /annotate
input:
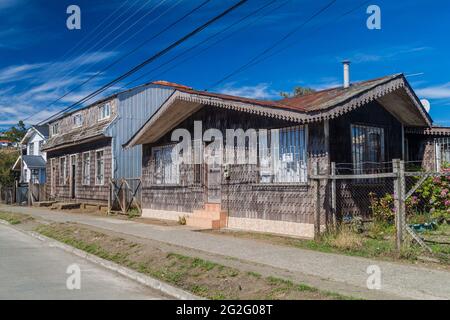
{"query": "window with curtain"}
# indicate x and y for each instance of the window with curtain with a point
(86, 169)
(166, 168)
(368, 149)
(99, 168)
(283, 156)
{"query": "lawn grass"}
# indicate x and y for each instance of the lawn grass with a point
(201, 277)
(15, 218)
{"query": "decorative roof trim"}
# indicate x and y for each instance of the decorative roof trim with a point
(274, 112)
(434, 131)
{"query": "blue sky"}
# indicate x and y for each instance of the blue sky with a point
(40, 59)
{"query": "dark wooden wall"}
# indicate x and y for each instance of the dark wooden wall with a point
(372, 114)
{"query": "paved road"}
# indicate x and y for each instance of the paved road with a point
(398, 280)
(31, 270)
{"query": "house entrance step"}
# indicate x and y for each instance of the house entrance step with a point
(65, 206)
(211, 217)
(44, 203)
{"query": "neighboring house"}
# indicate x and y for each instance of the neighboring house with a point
(429, 147)
(5, 143)
(32, 162)
(85, 146)
(362, 125)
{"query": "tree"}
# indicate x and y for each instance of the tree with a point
(16, 133)
(7, 159)
(297, 92)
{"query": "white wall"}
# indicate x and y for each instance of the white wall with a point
(35, 138)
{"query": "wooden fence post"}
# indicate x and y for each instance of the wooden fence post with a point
(399, 200)
(333, 195)
(109, 197)
(317, 211)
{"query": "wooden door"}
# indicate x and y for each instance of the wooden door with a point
(214, 180)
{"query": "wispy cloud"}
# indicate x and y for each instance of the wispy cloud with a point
(381, 54)
(260, 91)
(435, 92)
(29, 88)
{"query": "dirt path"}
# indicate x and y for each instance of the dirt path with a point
(338, 273)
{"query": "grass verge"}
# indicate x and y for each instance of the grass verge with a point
(376, 242)
(201, 277)
(15, 218)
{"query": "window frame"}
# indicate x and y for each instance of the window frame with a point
(101, 109)
(83, 167)
(177, 177)
(79, 116)
(274, 167)
(63, 173)
(100, 183)
(55, 129)
(442, 145)
(358, 166)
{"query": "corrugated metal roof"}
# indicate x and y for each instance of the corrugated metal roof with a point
(34, 162)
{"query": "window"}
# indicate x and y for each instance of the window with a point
(55, 129)
(31, 149)
(282, 158)
(442, 152)
(99, 168)
(34, 176)
(104, 111)
(368, 149)
(166, 168)
(41, 144)
(62, 171)
(86, 169)
(78, 120)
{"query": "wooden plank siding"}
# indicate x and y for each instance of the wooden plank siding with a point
(243, 196)
(91, 193)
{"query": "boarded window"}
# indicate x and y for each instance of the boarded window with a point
(86, 169)
(368, 149)
(166, 168)
(63, 171)
(99, 168)
(283, 157)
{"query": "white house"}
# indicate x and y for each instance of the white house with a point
(32, 162)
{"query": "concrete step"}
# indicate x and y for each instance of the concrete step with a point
(213, 215)
(206, 223)
(212, 206)
(200, 222)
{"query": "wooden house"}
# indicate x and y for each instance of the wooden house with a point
(362, 124)
(85, 151)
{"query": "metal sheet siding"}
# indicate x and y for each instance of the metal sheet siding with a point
(134, 109)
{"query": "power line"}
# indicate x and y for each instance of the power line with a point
(127, 54)
(85, 37)
(111, 32)
(209, 46)
(268, 49)
(206, 40)
(154, 57)
(295, 42)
